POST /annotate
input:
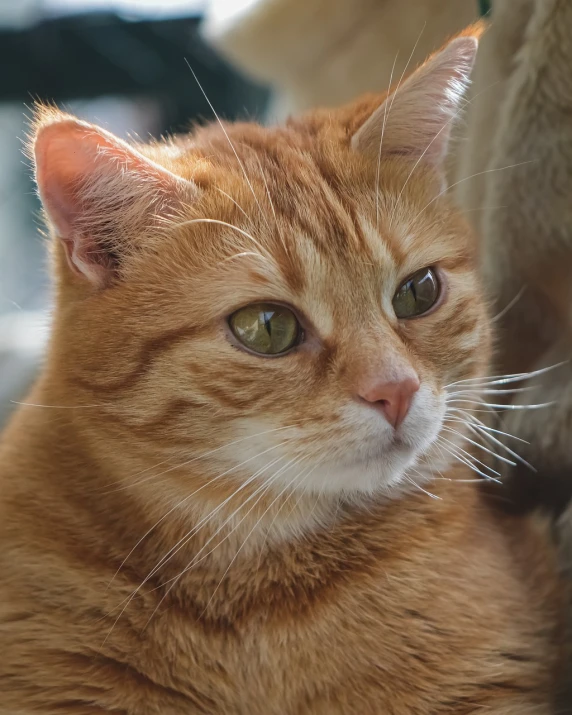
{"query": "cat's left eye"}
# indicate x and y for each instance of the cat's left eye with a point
(266, 328)
(417, 295)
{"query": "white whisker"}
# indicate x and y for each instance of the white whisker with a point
(412, 481)
(486, 427)
(488, 391)
(502, 407)
(210, 452)
(278, 228)
(467, 178)
(491, 438)
(227, 225)
(263, 490)
(469, 455)
(185, 539)
(243, 254)
(445, 126)
(269, 529)
(504, 379)
(196, 559)
(469, 464)
(510, 305)
(228, 139)
(480, 446)
(56, 407)
(172, 582)
(207, 483)
(238, 206)
(378, 170)
(288, 486)
(387, 112)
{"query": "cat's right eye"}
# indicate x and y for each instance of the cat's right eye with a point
(266, 328)
(417, 295)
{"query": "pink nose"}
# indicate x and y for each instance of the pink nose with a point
(392, 398)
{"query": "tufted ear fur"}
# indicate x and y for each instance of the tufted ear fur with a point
(416, 119)
(101, 195)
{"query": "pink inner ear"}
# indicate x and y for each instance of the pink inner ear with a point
(99, 193)
(417, 118)
(61, 164)
(70, 156)
(66, 154)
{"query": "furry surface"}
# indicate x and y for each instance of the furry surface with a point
(327, 52)
(519, 146)
(189, 528)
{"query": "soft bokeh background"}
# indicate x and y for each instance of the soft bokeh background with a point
(120, 63)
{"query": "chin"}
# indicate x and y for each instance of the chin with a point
(380, 474)
(379, 469)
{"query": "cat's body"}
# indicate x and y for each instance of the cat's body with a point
(415, 606)
(195, 521)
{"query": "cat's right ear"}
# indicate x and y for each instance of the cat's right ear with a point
(101, 196)
(415, 120)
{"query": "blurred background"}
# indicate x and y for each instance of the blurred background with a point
(123, 65)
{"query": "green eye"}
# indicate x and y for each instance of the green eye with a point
(266, 328)
(417, 295)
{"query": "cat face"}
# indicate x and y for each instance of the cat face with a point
(283, 306)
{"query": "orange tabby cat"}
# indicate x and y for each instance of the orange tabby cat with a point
(266, 342)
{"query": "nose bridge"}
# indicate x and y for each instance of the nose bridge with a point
(381, 374)
(378, 353)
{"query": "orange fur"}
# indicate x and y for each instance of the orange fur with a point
(188, 528)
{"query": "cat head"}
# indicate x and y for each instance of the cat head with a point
(284, 306)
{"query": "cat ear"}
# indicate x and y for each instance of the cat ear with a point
(416, 119)
(101, 195)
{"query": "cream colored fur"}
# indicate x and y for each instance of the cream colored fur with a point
(522, 119)
(326, 52)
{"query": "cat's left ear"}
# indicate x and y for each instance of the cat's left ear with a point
(102, 197)
(415, 120)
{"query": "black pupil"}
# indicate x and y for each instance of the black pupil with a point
(423, 287)
(412, 288)
(267, 317)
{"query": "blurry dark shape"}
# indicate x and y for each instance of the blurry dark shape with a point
(484, 7)
(97, 54)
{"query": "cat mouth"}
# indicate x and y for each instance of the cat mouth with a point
(399, 442)
(396, 446)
